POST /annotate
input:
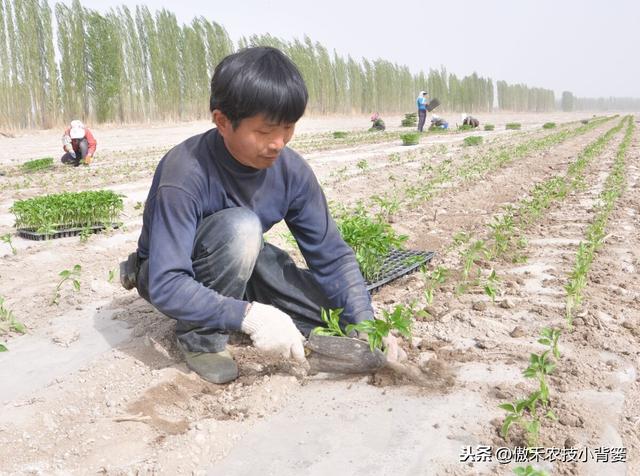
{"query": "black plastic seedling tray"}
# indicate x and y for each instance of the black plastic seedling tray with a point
(399, 263)
(63, 233)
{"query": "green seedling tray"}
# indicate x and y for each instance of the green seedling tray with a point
(61, 233)
(395, 266)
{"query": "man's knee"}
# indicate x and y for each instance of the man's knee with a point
(236, 230)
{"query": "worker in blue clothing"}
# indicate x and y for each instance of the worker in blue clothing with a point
(201, 258)
(422, 102)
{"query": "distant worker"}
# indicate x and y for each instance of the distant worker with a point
(79, 144)
(422, 103)
(438, 123)
(470, 121)
(378, 123)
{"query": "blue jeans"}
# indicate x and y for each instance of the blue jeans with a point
(422, 117)
(230, 257)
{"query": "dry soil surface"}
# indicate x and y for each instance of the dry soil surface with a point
(96, 385)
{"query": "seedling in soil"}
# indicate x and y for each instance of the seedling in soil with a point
(528, 471)
(7, 239)
(513, 126)
(3, 348)
(434, 279)
(8, 321)
(410, 138)
(67, 275)
(375, 330)
(472, 140)
(138, 206)
(549, 337)
(489, 127)
(363, 165)
(465, 127)
(378, 329)
(491, 286)
(394, 157)
(461, 238)
(332, 321)
(522, 413)
(549, 125)
(477, 250)
(112, 274)
(388, 205)
(339, 135)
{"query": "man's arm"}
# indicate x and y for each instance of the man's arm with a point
(66, 141)
(330, 259)
(172, 286)
(91, 140)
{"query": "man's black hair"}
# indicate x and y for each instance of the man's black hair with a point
(260, 80)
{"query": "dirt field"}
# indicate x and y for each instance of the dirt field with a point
(97, 386)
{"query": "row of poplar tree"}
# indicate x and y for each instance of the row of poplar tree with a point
(125, 66)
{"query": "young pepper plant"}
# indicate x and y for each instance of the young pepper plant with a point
(72, 275)
(375, 329)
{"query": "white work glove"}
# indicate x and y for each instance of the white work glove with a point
(272, 331)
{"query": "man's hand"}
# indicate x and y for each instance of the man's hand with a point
(390, 346)
(393, 350)
(88, 159)
(271, 330)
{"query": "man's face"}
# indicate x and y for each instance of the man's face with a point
(256, 142)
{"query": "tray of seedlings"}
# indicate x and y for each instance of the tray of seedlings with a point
(378, 247)
(67, 214)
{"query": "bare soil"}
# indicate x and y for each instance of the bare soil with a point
(98, 386)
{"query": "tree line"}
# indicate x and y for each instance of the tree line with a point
(569, 102)
(134, 65)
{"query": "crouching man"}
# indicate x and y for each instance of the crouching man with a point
(201, 258)
(79, 144)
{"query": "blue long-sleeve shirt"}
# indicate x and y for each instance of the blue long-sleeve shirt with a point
(200, 177)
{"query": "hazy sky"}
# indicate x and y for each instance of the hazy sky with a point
(587, 47)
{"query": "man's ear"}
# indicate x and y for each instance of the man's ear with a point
(221, 121)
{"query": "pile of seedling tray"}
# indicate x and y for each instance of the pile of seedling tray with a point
(410, 120)
(67, 214)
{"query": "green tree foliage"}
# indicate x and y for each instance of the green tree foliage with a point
(140, 65)
(519, 97)
(105, 69)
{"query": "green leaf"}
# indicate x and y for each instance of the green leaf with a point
(3, 348)
(510, 407)
(508, 421)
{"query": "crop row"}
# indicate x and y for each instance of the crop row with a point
(479, 165)
(529, 412)
(595, 234)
